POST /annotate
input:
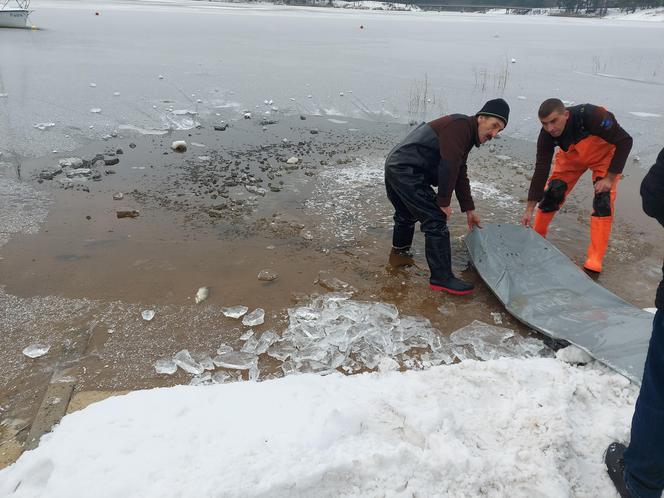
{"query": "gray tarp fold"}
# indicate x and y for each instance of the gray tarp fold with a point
(542, 288)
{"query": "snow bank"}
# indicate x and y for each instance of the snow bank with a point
(508, 427)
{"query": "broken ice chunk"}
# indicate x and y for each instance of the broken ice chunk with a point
(247, 335)
(497, 318)
(221, 377)
(202, 294)
(250, 345)
(204, 360)
(201, 380)
(254, 372)
(95, 110)
(281, 351)
(184, 360)
(288, 367)
(224, 348)
(147, 315)
(36, 350)
(268, 338)
(254, 318)
(165, 366)
(236, 360)
(234, 311)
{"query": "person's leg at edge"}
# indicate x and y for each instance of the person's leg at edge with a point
(644, 458)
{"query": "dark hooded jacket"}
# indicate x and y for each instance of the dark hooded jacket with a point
(652, 196)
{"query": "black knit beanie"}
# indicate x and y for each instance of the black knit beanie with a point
(497, 108)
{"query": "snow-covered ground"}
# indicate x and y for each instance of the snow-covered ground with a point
(518, 428)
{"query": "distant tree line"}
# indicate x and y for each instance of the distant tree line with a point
(570, 6)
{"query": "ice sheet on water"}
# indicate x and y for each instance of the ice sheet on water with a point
(184, 360)
(256, 317)
(234, 311)
(482, 341)
(165, 366)
(36, 350)
(237, 360)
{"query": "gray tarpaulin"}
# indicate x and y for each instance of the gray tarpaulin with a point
(542, 288)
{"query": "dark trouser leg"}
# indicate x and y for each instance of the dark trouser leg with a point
(414, 195)
(404, 221)
(644, 458)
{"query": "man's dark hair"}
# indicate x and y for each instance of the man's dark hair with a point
(549, 106)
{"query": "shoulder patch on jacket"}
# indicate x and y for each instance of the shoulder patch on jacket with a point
(606, 123)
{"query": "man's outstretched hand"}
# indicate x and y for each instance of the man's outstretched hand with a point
(473, 220)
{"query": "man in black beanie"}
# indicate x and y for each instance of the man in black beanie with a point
(435, 153)
(638, 471)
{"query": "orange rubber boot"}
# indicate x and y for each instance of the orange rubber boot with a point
(542, 221)
(600, 230)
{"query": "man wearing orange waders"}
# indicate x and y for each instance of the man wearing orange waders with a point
(589, 138)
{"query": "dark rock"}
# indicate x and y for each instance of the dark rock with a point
(119, 151)
(132, 145)
(127, 214)
(111, 162)
(221, 127)
(49, 174)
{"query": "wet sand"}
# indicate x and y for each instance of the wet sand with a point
(81, 282)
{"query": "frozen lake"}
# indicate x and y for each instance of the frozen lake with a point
(90, 74)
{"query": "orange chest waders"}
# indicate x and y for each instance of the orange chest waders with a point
(594, 154)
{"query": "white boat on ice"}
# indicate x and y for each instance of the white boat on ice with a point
(15, 17)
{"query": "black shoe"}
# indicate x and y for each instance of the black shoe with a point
(452, 285)
(615, 466)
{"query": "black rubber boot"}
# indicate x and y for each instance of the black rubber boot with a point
(615, 466)
(451, 285)
(439, 256)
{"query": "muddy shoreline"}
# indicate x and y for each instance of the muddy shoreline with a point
(236, 203)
